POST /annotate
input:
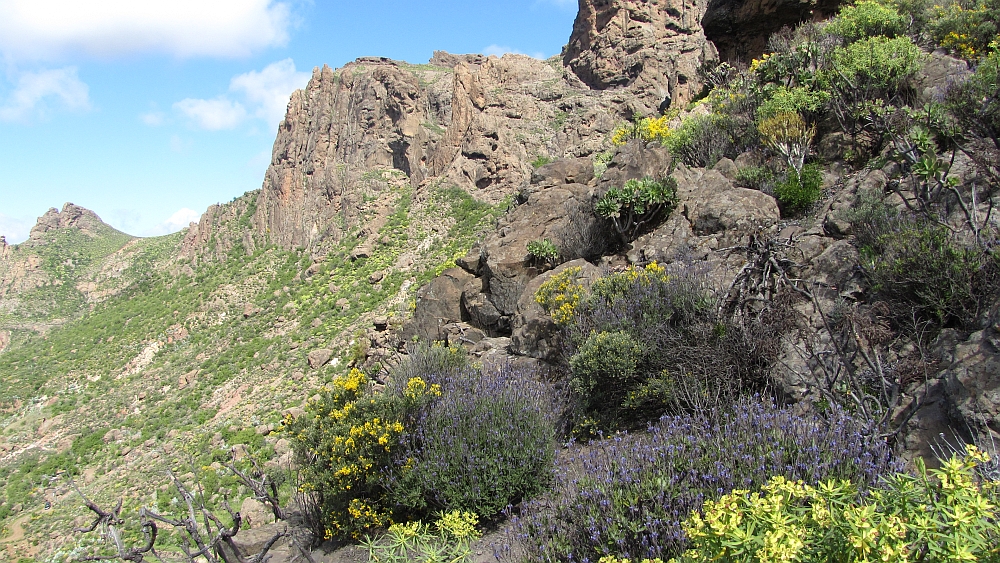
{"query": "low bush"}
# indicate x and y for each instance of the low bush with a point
(648, 340)
(755, 177)
(867, 18)
(486, 441)
(967, 29)
(638, 205)
(449, 539)
(944, 514)
(543, 251)
(876, 64)
(702, 140)
(799, 100)
(926, 271)
(626, 496)
(800, 191)
(449, 438)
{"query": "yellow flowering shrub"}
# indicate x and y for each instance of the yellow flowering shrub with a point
(646, 129)
(345, 443)
(560, 295)
(946, 514)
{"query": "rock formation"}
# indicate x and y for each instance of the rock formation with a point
(71, 216)
(740, 28)
(652, 48)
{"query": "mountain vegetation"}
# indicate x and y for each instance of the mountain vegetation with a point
(755, 320)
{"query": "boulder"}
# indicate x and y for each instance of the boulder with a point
(319, 357)
(562, 214)
(712, 205)
(255, 513)
(972, 381)
(534, 334)
(438, 303)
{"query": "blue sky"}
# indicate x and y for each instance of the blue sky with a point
(148, 112)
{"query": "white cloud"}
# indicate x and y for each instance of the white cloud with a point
(44, 29)
(265, 92)
(179, 220)
(270, 88)
(34, 89)
(15, 229)
(153, 118)
(213, 115)
(501, 50)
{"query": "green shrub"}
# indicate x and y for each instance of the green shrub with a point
(755, 177)
(638, 205)
(541, 161)
(945, 514)
(701, 140)
(876, 64)
(543, 251)
(798, 100)
(800, 191)
(648, 341)
(867, 18)
(924, 270)
(605, 368)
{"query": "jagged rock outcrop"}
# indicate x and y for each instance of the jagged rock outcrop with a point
(653, 48)
(740, 28)
(476, 124)
(71, 216)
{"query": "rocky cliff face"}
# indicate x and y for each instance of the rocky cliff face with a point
(651, 47)
(740, 28)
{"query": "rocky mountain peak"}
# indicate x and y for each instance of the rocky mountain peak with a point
(71, 217)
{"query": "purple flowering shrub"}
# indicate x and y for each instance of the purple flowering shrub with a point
(627, 495)
(485, 442)
(439, 435)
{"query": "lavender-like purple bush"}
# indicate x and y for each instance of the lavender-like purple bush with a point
(628, 494)
(485, 443)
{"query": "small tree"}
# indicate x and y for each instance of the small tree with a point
(638, 204)
(788, 135)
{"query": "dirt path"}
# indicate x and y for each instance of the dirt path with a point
(16, 529)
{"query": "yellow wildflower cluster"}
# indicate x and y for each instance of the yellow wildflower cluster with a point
(458, 525)
(756, 64)
(647, 129)
(947, 512)
(417, 387)
(352, 382)
(613, 559)
(560, 295)
(960, 44)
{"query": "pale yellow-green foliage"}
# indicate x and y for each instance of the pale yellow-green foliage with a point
(946, 514)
